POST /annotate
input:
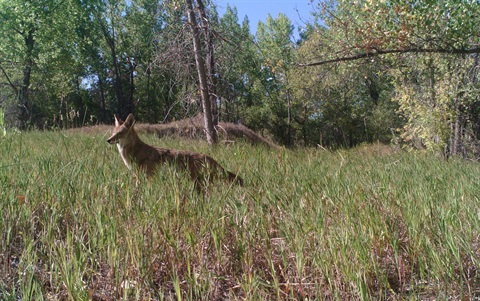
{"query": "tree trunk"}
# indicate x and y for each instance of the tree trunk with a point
(130, 105)
(202, 76)
(149, 118)
(24, 95)
(212, 74)
(117, 82)
(101, 84)
(289, 120)
(457, 132)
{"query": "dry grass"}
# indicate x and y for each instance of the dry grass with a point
(192, 128)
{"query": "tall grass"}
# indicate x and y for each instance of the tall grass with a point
(368, 223)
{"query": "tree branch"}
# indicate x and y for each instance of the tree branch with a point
(8, 79)
(375, 53)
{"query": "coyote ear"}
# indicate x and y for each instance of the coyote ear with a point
(129, 121)
(118, 121)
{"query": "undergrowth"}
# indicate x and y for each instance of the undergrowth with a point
(367, 223)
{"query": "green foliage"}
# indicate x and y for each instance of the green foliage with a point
(371, 26)
(237, 66)
(277, 55)
(33, 44)
(434, 87)
(395, 67)
(438, 97)
(368, 223)
(342, 104)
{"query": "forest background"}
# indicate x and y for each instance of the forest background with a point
(362, 71)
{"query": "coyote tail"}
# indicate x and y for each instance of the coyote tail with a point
(234, 178)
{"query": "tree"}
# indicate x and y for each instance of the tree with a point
(237, 65)
(371, 28)
(277, 52)
(202, 74)
(117, 42)
(29, 32)
(438, 95)
(111, 24)
(342, 104)
(422, 44)
(144, 21)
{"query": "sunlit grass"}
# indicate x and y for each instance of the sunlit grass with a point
(367, 223)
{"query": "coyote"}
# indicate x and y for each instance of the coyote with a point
(201, 168)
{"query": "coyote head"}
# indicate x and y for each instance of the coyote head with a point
(120, 134)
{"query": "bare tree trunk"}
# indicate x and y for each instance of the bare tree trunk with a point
(210, 52)
(202, 76)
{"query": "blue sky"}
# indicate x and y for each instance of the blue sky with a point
(298, 11)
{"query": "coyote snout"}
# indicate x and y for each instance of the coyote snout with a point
(200, 167)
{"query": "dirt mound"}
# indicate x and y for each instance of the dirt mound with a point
(192, 128)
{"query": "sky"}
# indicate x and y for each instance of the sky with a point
(298, 11)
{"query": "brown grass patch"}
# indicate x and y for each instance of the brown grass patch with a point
(191, 128)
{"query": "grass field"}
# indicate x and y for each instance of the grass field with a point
(363, 224)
